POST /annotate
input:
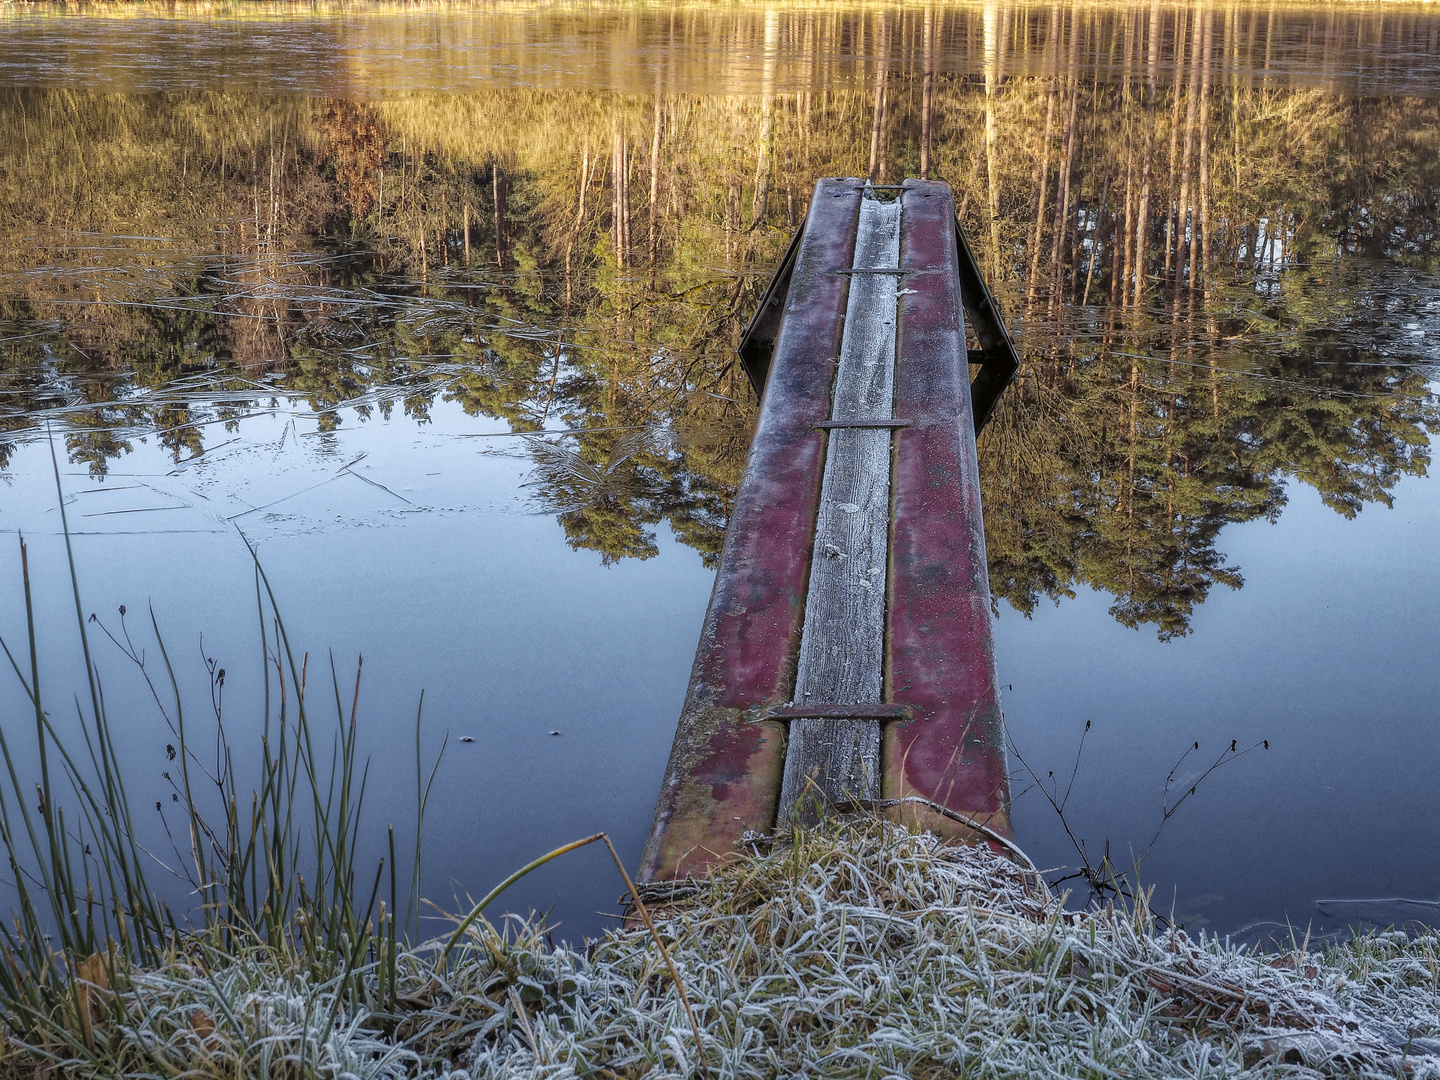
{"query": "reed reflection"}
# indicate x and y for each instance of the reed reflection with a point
(1221, 273)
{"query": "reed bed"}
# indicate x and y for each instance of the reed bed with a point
(261, 872)
(855, 950)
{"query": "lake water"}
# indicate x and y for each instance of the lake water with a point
(436, 306)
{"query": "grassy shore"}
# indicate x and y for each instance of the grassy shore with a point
(860, 950)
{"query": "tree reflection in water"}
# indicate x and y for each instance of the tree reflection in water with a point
(1221, 273)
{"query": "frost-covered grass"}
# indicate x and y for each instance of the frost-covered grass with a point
(858, 950)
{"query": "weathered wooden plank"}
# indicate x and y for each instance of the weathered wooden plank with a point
(842, 641)
(723, 776)
(940, 652)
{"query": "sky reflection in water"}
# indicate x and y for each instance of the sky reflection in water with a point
(340, 305)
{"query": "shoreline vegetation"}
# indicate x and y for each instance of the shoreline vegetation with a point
(856, 949)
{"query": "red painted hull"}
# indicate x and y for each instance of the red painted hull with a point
(724, 773)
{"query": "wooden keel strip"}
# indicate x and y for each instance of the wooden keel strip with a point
(841, 646)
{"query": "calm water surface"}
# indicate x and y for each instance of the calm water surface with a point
(436, 306)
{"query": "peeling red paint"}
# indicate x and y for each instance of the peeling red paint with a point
(940, 653)
(724, 770)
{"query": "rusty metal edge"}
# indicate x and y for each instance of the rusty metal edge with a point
(882, 711)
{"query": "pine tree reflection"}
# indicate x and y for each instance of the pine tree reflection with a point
(1210, 264)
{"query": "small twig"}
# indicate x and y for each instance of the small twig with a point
(1075, 769)
(654, 934)
(1168, 811)
(1050, 798)
(1106, 876)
